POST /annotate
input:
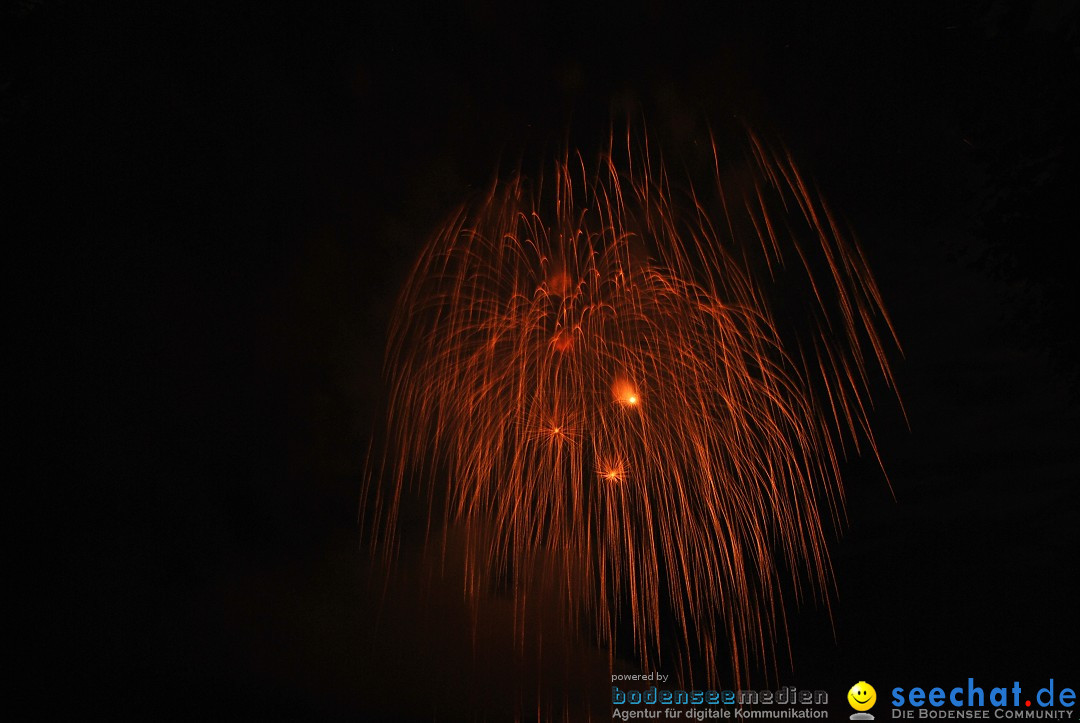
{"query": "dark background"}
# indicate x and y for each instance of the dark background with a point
(213, 206)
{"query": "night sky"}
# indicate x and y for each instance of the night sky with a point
(214, 206)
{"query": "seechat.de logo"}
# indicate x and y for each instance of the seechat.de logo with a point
(862, 697)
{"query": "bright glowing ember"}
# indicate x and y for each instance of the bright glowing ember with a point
(592, 371)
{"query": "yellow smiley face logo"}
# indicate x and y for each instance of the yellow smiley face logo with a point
(862, 696)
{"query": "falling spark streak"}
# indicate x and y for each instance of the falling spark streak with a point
(593, 373)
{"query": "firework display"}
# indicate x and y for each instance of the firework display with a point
(637, 393)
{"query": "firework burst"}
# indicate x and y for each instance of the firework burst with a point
(591, 379)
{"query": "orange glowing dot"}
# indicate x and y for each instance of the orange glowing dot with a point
(625, 393)
(562, 341)
(559, 283)
(611, 470)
